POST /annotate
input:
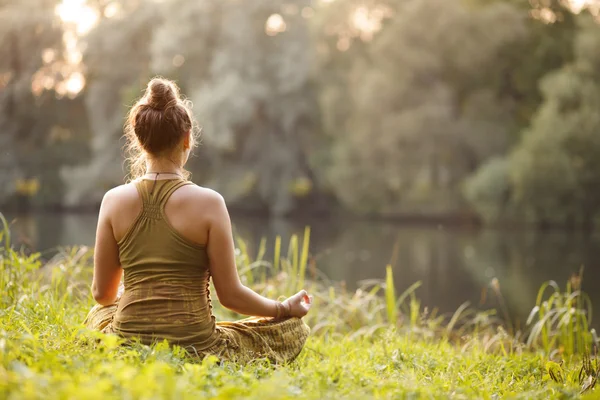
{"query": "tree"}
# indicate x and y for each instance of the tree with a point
(555, 170)
(110, 88)
(552, 175)
(520, 65)
(247, 68)
(37, 128)
(415, 115)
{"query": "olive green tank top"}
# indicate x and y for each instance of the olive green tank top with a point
(166, 277)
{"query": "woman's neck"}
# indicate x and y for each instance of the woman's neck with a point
(162, 166)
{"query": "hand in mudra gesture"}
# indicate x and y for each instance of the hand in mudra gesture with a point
(298, 304)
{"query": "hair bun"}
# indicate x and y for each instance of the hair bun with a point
(157, 125)
(161, 94)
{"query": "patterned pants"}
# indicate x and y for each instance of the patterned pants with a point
(242, 341)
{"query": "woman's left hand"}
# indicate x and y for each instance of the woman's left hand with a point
(299, 304)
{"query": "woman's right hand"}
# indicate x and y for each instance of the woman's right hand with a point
(298, 304)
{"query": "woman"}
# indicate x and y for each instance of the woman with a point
(169, 237)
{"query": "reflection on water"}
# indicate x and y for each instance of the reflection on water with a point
(453, 265)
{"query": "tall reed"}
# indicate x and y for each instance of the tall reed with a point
(562, 319)
(558, 324)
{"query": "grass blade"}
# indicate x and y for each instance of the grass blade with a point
(304, 258)
(390, 296)
(277, 256)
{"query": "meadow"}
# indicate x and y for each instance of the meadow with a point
(368, 343)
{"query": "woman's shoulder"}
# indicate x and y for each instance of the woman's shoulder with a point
(122, 195)
(203, 192)
(198, 195)
(127, 189)
(191, 192)
(199, 206)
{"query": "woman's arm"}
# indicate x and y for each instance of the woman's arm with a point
(107, 267)
(230, 290)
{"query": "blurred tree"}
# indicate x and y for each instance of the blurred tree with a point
(247, 68)
(555, 171)
(388, 104)
(111, 86)
(36, 126)
(488, 189)
(553, 174)
(414, 113)
(245, 65)
(520, 65)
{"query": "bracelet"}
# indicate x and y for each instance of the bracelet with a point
(282, 311)
(287, 310)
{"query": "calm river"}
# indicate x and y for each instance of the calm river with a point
(454, 265)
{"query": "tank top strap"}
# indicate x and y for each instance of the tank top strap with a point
(142, 189)
(150, 209)
(154, 195)
(167, 190)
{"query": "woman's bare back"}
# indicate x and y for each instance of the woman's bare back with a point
(186, 211)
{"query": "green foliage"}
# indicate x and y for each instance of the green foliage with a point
(387, 106)
(304, 258)
(355, 349)
(555, 371)
(390, 296)
(553, 173)
(521, 65)
(563, 319)
(413, 112)
(488, 189)
(40, 133)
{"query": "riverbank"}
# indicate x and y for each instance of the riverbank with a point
(369, 343)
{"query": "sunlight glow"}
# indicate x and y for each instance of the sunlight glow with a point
(112, 9)
(178, 60)
(275, 24)
(578, 5)
(593, 6)
(75, 83)
(540, 9)
(545, 15)
(48, 82)
(77, 12)
(363, 23)
(48, 55)
(64, 75)
(367, 22)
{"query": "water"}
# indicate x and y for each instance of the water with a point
(454, 265)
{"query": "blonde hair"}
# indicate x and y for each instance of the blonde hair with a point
(156, 124)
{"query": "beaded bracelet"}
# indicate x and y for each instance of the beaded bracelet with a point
(282, 310)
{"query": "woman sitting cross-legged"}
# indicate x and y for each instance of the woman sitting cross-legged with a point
(169, 237)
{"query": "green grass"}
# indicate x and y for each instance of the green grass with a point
(369, 343)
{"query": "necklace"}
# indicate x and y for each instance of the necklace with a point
(156, 178)
(163, 173)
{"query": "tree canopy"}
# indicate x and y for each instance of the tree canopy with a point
(386, 107)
